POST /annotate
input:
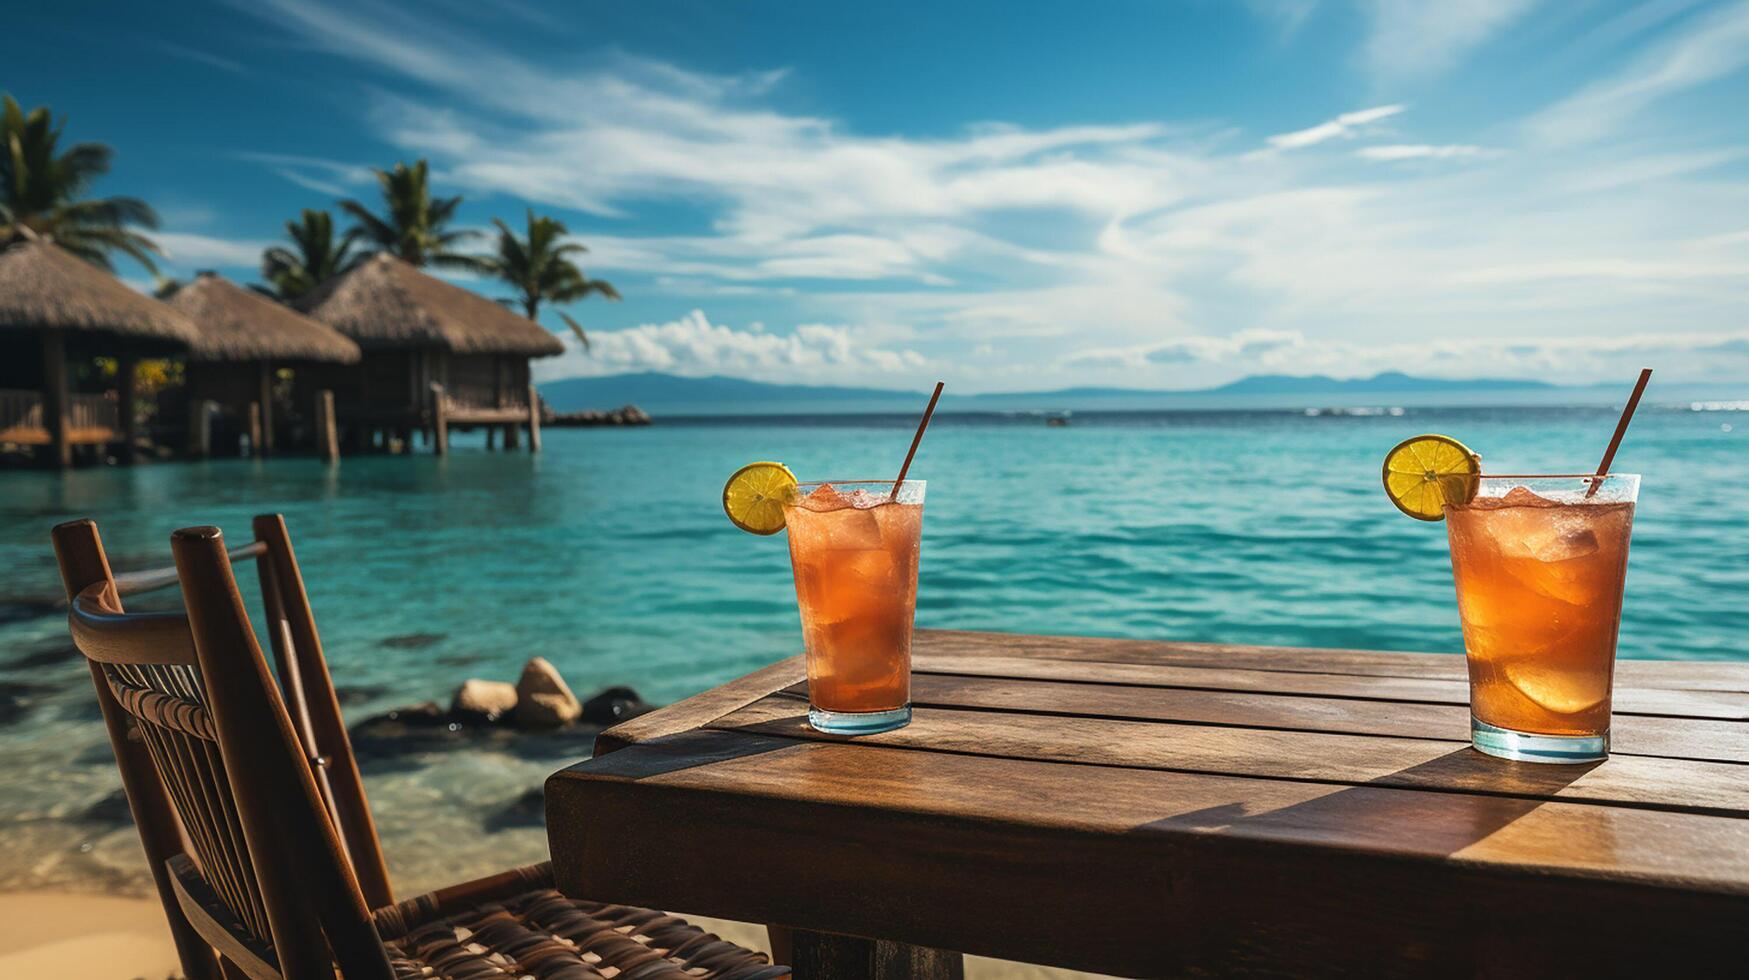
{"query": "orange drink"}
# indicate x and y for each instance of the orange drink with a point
(1539, 567)
(853, 546)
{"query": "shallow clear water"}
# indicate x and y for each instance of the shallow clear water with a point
(610, 556)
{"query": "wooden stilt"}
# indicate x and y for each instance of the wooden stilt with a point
(327, 433)
(491, 437)
(512, 438)
(440, 420)
(127, 412)
(200, 428)
(266, 385)
(255, 448)
(533, 420)
(56, 401)
(831, 957)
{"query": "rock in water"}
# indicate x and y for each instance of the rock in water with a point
(543, 699)
(482, 701)
(613, 706)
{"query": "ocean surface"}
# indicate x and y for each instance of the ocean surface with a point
(610, 556)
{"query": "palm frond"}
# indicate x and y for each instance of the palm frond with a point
(576, 328)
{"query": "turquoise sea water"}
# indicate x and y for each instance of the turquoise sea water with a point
(609, 555)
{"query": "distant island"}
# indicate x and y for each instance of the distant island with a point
(655, 391)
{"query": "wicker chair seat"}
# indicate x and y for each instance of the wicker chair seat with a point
(540, 934)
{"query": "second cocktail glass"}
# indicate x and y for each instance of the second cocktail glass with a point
(854, 547)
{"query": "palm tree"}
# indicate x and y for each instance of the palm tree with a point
(412, 224)
(538, 265)
(42, 191)
(314, 258)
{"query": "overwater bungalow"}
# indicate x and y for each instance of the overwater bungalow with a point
(245, 341)
(435, 356)
(58, 313)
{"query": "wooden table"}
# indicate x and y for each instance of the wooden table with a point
(1160, 809)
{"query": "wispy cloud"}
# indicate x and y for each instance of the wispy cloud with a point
(1344, 125)
(202, 57)
(1415, 39)
(1160, 239)
(187, 251)
(314, 173)
(1420, 151)
(1706, 48)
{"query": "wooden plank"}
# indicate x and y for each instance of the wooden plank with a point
(704, 708)
(1147, 873)
(1671, 674)
(1623, 780)
(1649, 701)
(1678, 738)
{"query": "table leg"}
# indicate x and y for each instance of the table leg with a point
(825, 956)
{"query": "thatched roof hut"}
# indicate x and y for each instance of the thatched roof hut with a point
(57, 312)
(238, 324)
(46, 288)
(386, 304)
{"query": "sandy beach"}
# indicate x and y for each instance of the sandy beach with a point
(73, 936)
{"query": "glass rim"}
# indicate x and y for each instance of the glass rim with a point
(1605, 478)
(860, 483)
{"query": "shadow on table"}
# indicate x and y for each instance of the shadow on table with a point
(1472, 796)
(687, 750)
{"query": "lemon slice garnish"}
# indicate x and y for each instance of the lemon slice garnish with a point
(1424, 474)
(753, 498)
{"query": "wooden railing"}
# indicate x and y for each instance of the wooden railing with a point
(455, 402)
(89, 417)
(91, 412)
(20, 410)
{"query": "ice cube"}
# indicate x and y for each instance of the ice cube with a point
(1563, 544)
(1524, 497)
(853, 530)
(825, 497)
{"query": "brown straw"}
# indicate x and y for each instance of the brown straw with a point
(927, 412)
(1621, 429)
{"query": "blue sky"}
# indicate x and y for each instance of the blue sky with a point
(1013, 196)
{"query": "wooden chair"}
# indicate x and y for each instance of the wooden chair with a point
(254, 818)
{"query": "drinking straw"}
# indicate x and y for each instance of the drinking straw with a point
(927, 412)
(1621, 428)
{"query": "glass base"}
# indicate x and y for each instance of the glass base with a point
(1504, 743)
(858, 722)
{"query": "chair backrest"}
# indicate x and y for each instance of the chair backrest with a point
(242, 837)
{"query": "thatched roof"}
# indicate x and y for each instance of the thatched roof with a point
(386, 304)
(45, 287)
(238, 324)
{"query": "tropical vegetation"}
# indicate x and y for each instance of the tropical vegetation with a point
(413, 226)
(539, 267)
(315, 255)
(43, 191)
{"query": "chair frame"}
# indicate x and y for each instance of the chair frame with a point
(293, 787)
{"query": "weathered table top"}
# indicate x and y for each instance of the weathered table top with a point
(1166, 808)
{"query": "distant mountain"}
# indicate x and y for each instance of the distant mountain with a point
(1392, 381)
(650, 389)
(656, 391)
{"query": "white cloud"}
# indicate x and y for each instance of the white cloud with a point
(1343, 125)
(1419, 151)
(694, 346)
(1711, 47)
(1413, 39)
(191, 251)
(1118, 253)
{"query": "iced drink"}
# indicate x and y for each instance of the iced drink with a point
(1539, 568)
(854, 546)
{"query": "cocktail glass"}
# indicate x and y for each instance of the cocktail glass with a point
(853, 546)
(1539, 568)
